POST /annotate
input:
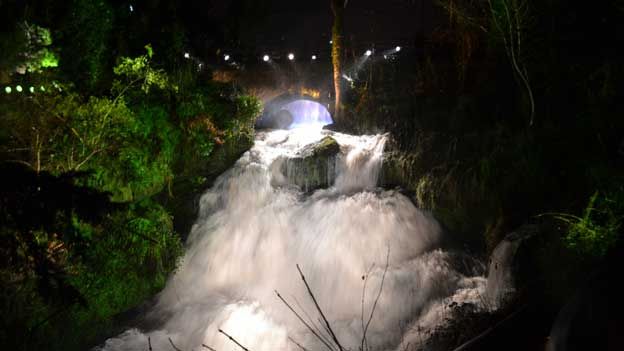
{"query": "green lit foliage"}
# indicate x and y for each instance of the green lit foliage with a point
(98, 271)
(139, 151)
(127, 142)
(140, 70)
(37, 55)
(129, 246)
(85, 39)
(27, 49)
(247, 109)
(126, 149)
(212, 114)
(598, 229)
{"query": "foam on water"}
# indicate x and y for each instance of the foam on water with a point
(251, 233)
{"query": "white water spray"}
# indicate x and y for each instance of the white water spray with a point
(253, 229)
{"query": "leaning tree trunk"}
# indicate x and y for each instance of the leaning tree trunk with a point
(337, 7)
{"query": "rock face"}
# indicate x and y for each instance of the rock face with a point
(511, 267)
(592, 318)
(315, 167)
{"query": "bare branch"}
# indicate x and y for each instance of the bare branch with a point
(365, 278)
(383, 278)
(208, 347)
(93, 153)
(173, 345)
(298, 344)
(304, 322)
(233, 340)
(320, 310)
(27, 164)
(312, 322)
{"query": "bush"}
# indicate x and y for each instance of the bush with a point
(130, 245)
(598, 230)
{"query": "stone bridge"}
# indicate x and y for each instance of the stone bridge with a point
(281, 86)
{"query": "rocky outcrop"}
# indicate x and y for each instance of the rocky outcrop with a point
(511, 269)
(592, 318)
(314, 168)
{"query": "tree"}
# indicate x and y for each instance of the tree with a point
(511, 19)
(337, 7)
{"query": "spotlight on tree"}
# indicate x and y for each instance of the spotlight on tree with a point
(291, 56)
(266, 58)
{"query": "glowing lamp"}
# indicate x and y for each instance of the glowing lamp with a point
(187, 55)
(131, 8)
(226, 57)
(266, 58)
(19, 88)
(8, 90)
(291, 56)
(368, 53)
(32, 90)
(313, 57)
(397, 49)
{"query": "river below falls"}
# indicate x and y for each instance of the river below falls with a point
(254, 227)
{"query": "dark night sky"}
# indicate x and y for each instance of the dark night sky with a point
(305, 25)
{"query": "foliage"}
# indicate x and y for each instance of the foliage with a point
(209, 117)
(139, 69)
(138, 160)
(598, 229)
(128, 150)
(92, 155)
(97, 270)
(130, 245)
(86, 39)
(27, 49)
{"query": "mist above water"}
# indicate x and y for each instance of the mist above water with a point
(307, 112)
(254, 227)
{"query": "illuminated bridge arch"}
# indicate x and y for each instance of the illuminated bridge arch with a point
(289, 111)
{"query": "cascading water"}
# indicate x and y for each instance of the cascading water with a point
(254, 227)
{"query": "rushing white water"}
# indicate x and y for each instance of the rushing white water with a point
(254, 228)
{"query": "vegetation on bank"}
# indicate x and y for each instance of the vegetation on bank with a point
(505, 112)
(93, 147)
(500, 121)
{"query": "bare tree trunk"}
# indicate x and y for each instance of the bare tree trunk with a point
(513, 46)
(337, 7)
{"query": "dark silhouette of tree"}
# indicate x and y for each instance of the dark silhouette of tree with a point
(337, 7)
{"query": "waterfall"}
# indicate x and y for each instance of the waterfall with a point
(254, 227)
